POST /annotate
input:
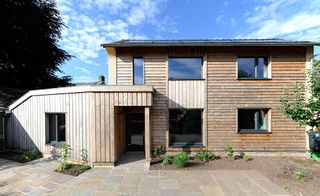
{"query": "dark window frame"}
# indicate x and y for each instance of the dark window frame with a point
(57, 141)
(268, 66)
(133, 67)
(196, 145)
(185, 57)
(255, 131)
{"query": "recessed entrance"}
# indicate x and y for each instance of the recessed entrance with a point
(135, 132)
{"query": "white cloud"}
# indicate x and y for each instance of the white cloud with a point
(89, 26)
(83, 69)
(84, 79)
(284, 18)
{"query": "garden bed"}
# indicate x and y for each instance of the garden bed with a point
(278, 169)
(74, 169)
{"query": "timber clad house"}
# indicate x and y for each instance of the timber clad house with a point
(183, 94)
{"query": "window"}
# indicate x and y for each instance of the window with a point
(185, 127)
(253, 68)
(138, 70)
(56, 128)
(253, 120)
(185, 68)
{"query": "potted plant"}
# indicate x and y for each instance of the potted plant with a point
(301, 103)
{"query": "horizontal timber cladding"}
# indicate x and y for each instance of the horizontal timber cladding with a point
(187, 93)
(225, 94)
(89, 119)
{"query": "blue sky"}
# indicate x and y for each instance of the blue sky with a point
(93, 22)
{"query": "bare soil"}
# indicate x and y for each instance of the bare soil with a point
(74, 170)
(278, 169)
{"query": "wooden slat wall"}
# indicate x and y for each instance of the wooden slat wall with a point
(186, 93)
(89, 121)
(226, 94)
(124, 70)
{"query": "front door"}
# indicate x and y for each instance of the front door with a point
(135, 131)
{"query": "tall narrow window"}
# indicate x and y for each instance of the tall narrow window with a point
(253, 120)
(138, 70)
(56, 128)
(253, 68)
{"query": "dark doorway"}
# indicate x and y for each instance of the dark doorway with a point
(135, 132)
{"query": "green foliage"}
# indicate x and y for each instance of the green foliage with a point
(166, 160)
(294, 103)
(246, 157)
(159, 150)
(84, 155)
(64, 166)
(180, 159)
(299, 175)
(85, 167)
(31, 155)
(228, 150)
(205, 155)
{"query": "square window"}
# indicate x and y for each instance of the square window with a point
(253, 120)
(56, 128)
(183, 68)
(185, 127)
(253, 68)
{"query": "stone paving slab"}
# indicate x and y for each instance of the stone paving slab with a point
(131, 177)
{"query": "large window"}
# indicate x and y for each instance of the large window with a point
(253, 120)
(56, 128)
(138, 70)
(253, 68)
(185, 128)
(185, 68)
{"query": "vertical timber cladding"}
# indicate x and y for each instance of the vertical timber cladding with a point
(155, 74)
(225, 94)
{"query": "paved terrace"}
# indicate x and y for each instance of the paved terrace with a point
(131, 177)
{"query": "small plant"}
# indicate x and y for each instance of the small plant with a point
(299, 175)
(159, 150)
(246, 157)
(205, 155)
(84, 156)
(166, 160)
(64, 154)
(180, 159)
(228, 150)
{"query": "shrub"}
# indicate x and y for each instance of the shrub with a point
(31, 155)
(180, 159)
(228, 150)
(246, 157)
(64, 166)
(167, 160)
(64, 154)
(205, 155)
(159, 150)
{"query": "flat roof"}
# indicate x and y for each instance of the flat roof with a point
(209, 42)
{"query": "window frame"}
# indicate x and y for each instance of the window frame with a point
(201, 143)
(255, 131)
(269, 66)
(47, 130)
(133, 75)
(186, 57)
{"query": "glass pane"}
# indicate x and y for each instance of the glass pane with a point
(52, 128)
(246, 67)
(253, 119)
(138, 71)
(262, 68)
(61, 127)
(185, 68)
(185, 127)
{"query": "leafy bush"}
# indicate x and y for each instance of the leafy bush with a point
(228, 150)
(180, 159)
(205, 155)
(246, 157)
(64, 166)
(31, 155)
(159, 150)
(166, 160)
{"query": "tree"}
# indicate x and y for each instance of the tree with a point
(29, 52)
(302, 107)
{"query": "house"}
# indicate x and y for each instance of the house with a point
(183, 94)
